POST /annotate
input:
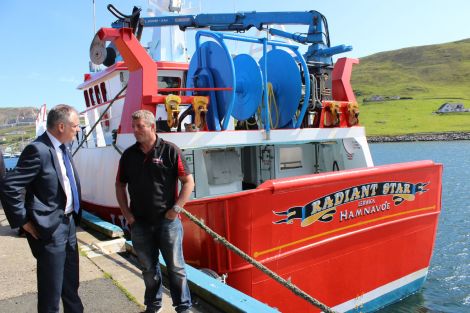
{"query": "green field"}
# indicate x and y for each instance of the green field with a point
(403, 117)
(431, 75)
(17, 137)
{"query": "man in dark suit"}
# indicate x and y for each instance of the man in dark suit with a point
(2, 166)
(49, 210)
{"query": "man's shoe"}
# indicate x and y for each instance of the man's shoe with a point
(157, 309)
(186, 311)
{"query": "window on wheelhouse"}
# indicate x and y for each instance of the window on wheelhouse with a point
(104, 95)
(169, 82)
(97, 94)
(87, 100)
(90, 92)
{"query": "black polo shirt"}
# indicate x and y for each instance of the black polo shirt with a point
(152, 178)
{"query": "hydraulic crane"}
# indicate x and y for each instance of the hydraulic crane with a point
(319, 52)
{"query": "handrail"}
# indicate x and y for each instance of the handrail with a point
(99, 120)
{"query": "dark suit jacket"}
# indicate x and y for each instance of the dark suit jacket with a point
(38, 171)
(2, 166)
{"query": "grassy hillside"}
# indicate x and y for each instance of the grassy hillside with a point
(431, 75)
(9, 115)
(15, 136)
(409, 117)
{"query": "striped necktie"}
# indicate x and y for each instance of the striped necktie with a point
(73, 185)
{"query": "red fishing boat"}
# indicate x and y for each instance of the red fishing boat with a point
(281, 164)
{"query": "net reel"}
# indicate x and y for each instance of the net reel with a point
(283, 75)
(213, 67)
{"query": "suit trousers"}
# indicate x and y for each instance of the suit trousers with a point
(57, 269)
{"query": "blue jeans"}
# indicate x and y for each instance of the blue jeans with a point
(165, 236)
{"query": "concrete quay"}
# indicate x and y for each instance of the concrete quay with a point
(109, 281)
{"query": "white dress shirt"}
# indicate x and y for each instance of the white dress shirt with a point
(68, 190)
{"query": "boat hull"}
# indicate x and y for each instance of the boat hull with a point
(357, 240)
(373, 251)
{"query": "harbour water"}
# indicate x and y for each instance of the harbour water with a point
(10, 162)
(447, 288)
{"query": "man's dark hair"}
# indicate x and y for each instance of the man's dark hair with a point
(59, 114)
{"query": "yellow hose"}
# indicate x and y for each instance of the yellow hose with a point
(271, 102)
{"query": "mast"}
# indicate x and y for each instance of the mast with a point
(168, 43)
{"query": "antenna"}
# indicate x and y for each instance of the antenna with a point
(94, 18)
(175, 6)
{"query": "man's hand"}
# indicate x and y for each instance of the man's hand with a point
(31, 229)
(129, 218)
(121, 197)
(171, 214)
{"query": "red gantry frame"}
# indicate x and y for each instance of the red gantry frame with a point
(142, 89)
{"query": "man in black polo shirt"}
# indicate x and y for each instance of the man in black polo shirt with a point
(150, 169)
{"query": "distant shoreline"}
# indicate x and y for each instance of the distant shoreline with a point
(449, 136)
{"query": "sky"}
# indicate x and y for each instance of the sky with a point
(45, 48)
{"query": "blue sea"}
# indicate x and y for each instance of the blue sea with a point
(10, 162)
(447, 288)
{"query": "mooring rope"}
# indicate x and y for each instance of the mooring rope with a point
(296, 290)
(99, 119)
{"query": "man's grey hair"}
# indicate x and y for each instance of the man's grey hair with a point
(59, 114)
(145, 115)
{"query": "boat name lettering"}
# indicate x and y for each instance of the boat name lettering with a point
(350, 214)
(366, 202)
(323, 209)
